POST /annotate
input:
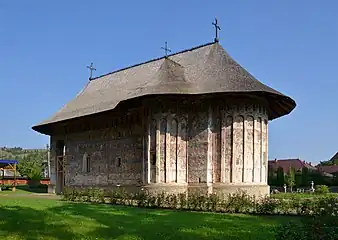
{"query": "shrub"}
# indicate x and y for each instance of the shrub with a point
(267, 206)
(213, 201)
(70, 194)
(322, 189)
(238, 202)
(307, 207)
(141, 199)
(183, 200)
(327, 206)
(85, 195)
(171, 201)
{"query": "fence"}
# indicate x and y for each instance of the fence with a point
(21, 181)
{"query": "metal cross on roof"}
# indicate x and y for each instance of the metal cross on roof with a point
(91, 67)
(217, 27)
(166, 49)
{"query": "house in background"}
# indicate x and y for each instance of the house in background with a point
(330, 166)
(319, 174)
(285, 164)
(329, 169)
(279, 172)
(8, 168)
(334, 159)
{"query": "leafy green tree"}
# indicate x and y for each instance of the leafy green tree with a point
(298, 178)
(280, 177)
(272, 176)
(305, 177)
(291, 181)
(335, 179)
(320, 179)
(30, 165)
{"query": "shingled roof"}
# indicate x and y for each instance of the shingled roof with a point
(285, 164)
(329, 169)
(200, 70)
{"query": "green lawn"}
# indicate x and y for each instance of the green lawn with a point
(38, 218)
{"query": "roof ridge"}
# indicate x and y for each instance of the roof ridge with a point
(288, 159)
(172, 61)
(153, 60)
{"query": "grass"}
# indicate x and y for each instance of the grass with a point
(39, 218)
(301, 195)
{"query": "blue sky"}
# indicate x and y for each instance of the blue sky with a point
(289, 45)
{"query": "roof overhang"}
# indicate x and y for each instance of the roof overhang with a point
(278, 106)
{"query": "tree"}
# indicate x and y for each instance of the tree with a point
(280, 177)
(335, 179)
(272, 176)
(291, 177)
(305, 176)
(319, 178)
(298, 178)
(30, 165)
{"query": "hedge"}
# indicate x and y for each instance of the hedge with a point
(239, 202)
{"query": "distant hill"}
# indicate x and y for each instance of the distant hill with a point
(332, 162)
(17, 153)
(31, 161)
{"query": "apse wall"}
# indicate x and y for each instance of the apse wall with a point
(217, 143)
(242, 134)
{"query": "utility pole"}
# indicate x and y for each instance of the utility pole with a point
(48, 160)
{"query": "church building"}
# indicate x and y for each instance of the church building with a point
(190, 121)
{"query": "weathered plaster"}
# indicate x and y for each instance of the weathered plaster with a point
(195, 145)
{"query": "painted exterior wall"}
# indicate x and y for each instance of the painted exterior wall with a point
(173, 144)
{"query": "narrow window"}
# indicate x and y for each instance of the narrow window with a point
(86, 163)
(119, 162)
(153, 159)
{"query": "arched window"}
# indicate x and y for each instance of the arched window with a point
(86, 163)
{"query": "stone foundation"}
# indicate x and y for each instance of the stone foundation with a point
(202, 189)
(256, 190)
(51, 189)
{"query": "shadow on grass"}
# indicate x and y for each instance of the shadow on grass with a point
(30, 224)
(89, 221)
(32, 189)
(25, 189)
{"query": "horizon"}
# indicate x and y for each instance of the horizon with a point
(289, 46)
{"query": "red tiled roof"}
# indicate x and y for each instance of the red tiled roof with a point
(297, 164)
(329, 169)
